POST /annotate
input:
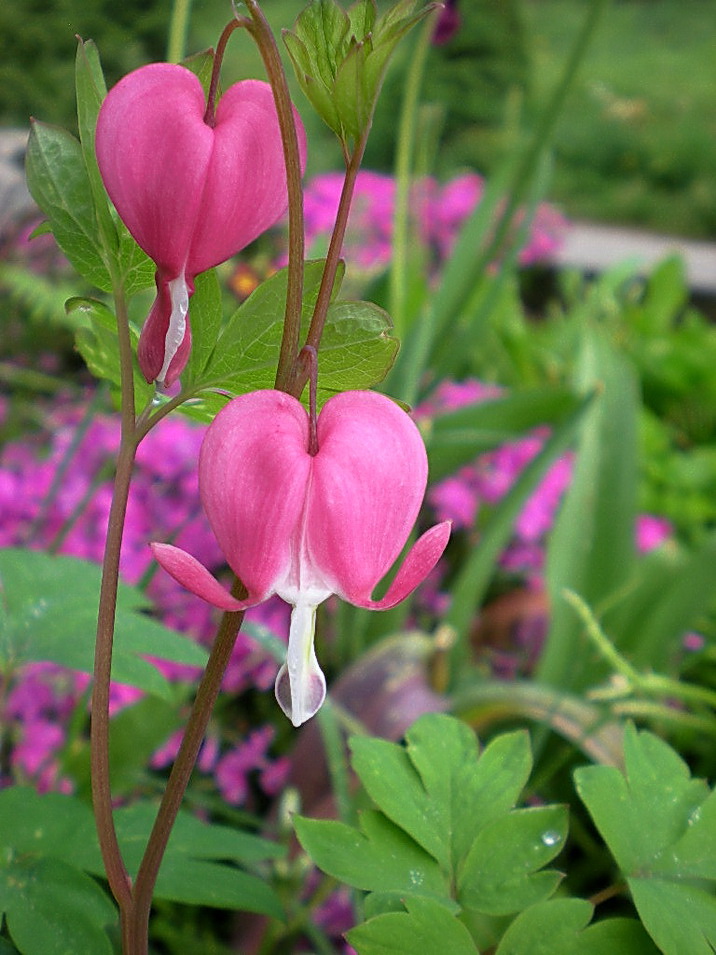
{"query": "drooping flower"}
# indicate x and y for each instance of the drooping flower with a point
(305, 526)
(191, 194)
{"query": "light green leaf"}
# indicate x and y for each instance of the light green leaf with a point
(557, 927)
(436, 788)
(379, 858)
(425, 926)
(591, 549)
(458, 437)
(660, 825)
(500, 875)
(356, 349)
(205, 316)
(98, 343)
(59, 184)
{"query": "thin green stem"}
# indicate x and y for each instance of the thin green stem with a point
(333, 258)
(403, 175)
(178, 29)
(651, 684)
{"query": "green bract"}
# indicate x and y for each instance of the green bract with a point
(340, 57)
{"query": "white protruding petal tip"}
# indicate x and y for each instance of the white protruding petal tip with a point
(179, 293)
(309, 698)
(300, 684)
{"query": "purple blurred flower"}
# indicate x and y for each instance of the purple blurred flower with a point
(438, 212)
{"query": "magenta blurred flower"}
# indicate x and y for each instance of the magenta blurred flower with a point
(305, 526)
(191, 194)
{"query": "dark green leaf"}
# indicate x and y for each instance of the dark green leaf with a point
(52, 908)
(59, 184)
(50, 605)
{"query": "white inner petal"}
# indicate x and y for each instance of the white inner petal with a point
(177, 323)
(300, 684)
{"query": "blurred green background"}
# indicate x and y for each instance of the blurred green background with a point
(635, 145)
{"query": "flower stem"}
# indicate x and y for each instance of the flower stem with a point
(117, 875)
(210, 114)
(333, 258)
(290, 341)
(201, 711)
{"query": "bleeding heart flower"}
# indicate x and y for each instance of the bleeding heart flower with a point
(191, 194)
(305, 526)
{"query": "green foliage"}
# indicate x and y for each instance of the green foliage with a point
(357, 347)
(49, 612)
(635, 143)
(446, 836)
(340, 58)
(474, 81)
(37, 41)
(50, 853)
(660, 825)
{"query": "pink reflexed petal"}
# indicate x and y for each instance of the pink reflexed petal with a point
(191, 574)
(367, 486)
(421, 559)
(245, 190)
(153, 150)
(253, 473)
(165, 341)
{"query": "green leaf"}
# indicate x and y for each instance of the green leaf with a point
(58, 181)
(470, 586)
(557, 927)
(340, 59)
(200, 866)
(357, 347)
(379, 858)
(137, 732)
(91, 89)
(130, 262)
(247, 351)
(671, 589)
(591, 549)
(458, 437)
(660, 825)
(500, 875)
(356, 350)
(53, 909)
(425, 926)
(98, 343)
(205, 316)
(201, 862)
(436, 788)
(50, 610)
